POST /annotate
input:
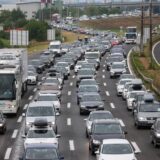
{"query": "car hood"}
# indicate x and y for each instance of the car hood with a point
(49, 118)
(101, 137)
(149, 114)
(117, 157)
(92, 103)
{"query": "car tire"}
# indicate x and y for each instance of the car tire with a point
(3, 130)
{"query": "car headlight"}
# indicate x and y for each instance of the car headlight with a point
(96, 141)
(82, 106)
(1, 125)
(157, 134)
(142, 119)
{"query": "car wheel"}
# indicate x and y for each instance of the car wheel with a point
(3, 130)
(92, 151)
(111, 77)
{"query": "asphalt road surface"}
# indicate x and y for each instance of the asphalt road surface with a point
(71, 126)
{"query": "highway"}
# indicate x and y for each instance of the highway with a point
(156, 52)
(71, 126)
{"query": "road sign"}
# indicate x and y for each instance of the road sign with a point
(19, 38)
(50, 34)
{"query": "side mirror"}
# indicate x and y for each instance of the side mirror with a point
(23, 114)
(58, 136)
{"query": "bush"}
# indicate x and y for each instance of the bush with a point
(1, 44)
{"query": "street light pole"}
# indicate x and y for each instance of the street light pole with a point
(142, 26)
(151, 43)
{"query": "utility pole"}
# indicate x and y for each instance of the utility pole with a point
(142, 29)
(150, 43)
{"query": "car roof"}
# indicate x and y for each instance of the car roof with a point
(115, 141)
(107, 121)
(41, 145)
(40, 103)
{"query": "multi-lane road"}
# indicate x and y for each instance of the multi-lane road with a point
(71, 126)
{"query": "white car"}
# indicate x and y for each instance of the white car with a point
(120, 85)
(126, 86)
(32, 77)
(50, 98)
(116, 149)
(78, 66)
(41, 134)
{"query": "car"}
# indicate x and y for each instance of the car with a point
(155, 133)
(120, 86)
(3, 124)
(41, 151)
(104, 129)
(96, 115)
(41, 132)
(88, 82)
(50, 98)
(84, 74)
(40, 109)
(62, 70)
(117, 68)
(32, 78)
(145, 114)
(116, 149)
(78, 66)
(85, 89)
(90, 102)
(64, 65)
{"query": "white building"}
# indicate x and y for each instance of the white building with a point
(8, 7)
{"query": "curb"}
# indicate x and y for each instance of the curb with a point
(153, 53)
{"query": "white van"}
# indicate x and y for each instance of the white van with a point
(55, 48)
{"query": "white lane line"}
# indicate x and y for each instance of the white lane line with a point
(25, 106)
(19, 119)
(68, 105)
(71, 84)
(107, 93)
(30, 97)
(35, 89)
(112, 105)
(73, 76)
(71, 145)
(103, 70)
(7, 154)
(69, 93)
(121, 123)
(105, 84)
(137, 149)
(68, 121)
(15, 132)
(103, 76)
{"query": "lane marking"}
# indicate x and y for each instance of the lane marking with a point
(68, 121)
(103, 70)
(7, 154)
(19, 119)
(137, 149)
(25, 106)
(35, 89)
(71, 145)
(69, 93)
(15, 132)
(103, 76)
(112, 105)
(68, 105)
(30, 97)
(73, 76)
(105, 84)
(104, 65)
(107, 93)
(71, 84)
(121, 123)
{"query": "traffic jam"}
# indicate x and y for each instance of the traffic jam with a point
(67, 90)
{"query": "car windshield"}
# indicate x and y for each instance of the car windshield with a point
(140, 97)
(132, 95)
(92, 55)
(36, 62)
(39, 111)
(149, 108)
(62, 64)
(117, 149)
(122, 82)
(49, 80)
(47, 98)
(87, 98)
(117, 66)
(80, 63)
(88, 89)
(86, 72)
(115, 59)
(55, 46)
(126, 76)
(95, 116)
(107, 129)
(41, 154)
(89, 82)
(31, 74)
(43, 133)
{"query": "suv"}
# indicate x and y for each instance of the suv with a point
(155, 133)
(2, 123)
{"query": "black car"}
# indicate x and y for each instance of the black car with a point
(90, 102)
(104, 129)
(2, 123)
(41, 151)
(155, 133)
